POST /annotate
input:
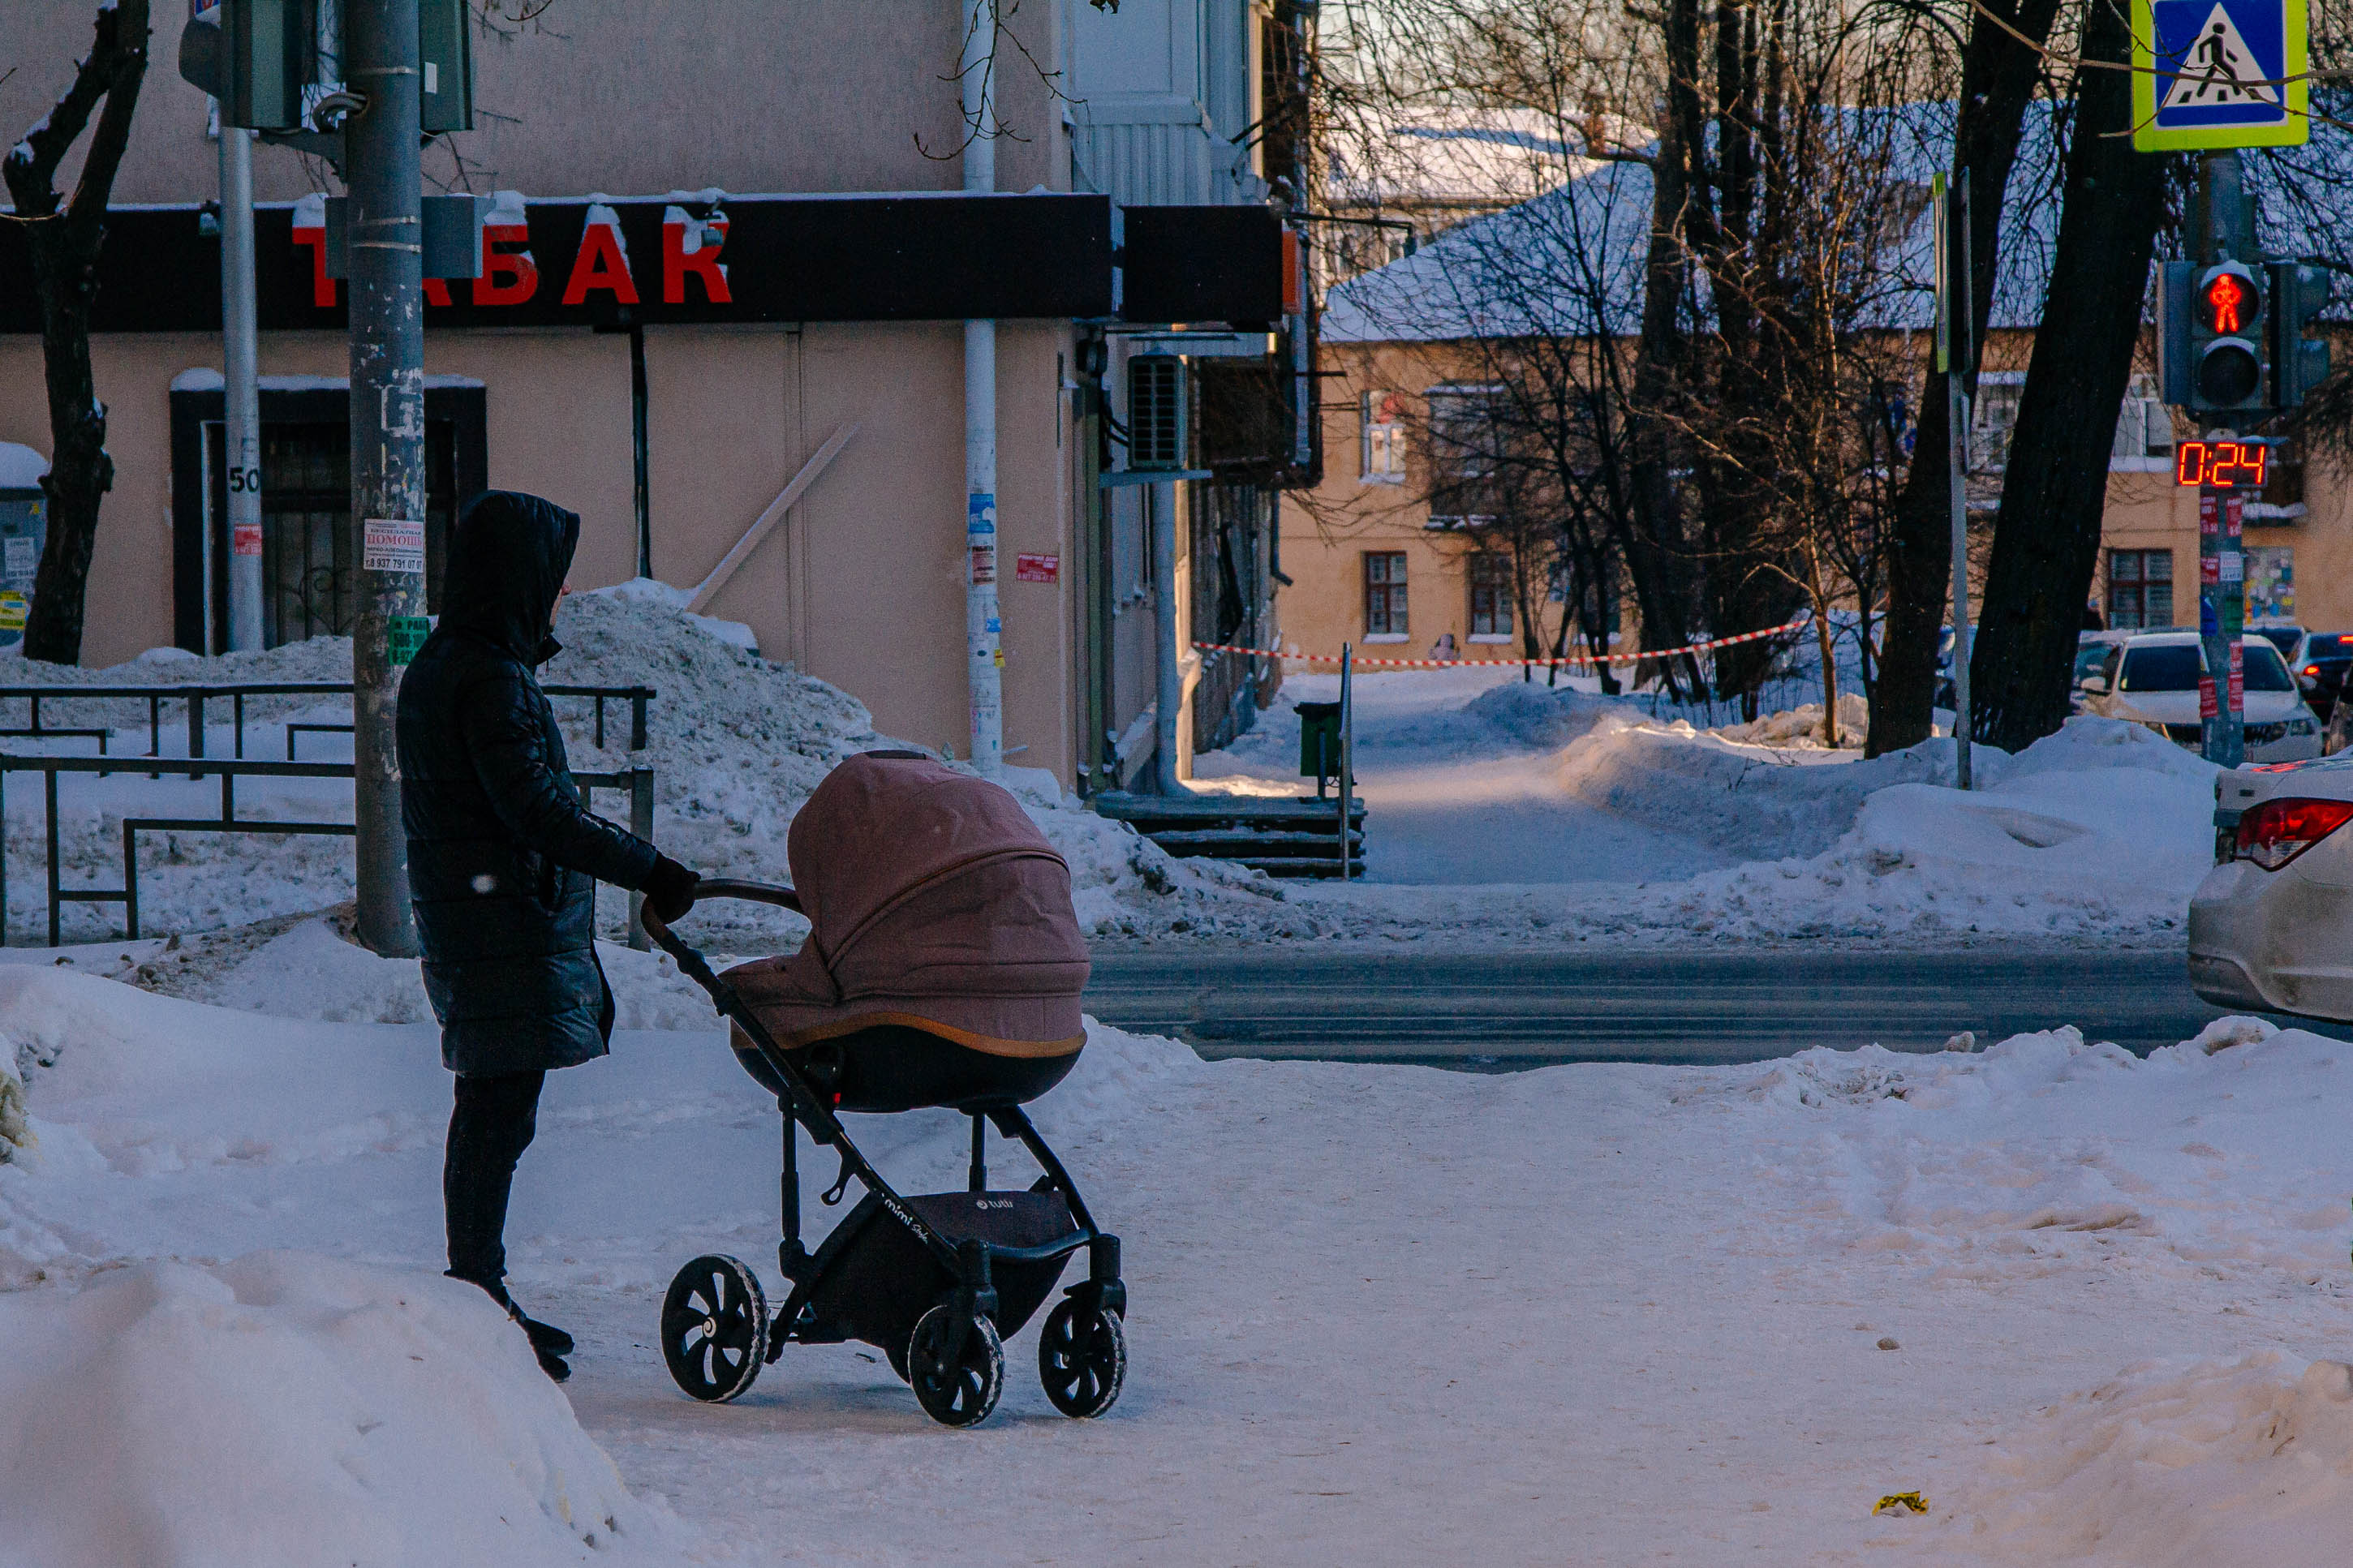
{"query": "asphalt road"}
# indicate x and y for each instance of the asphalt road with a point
(1506, 1011)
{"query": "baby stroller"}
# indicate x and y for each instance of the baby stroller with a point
(942, 968)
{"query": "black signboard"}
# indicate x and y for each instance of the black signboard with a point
(574, 262)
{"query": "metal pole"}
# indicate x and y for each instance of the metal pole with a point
(983, 646)
(241, 394)
(387, 412)
(1348, 752)
(1955, 346)
(2221, 563)
(638, 449)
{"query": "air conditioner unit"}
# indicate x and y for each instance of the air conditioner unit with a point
(1159, 431)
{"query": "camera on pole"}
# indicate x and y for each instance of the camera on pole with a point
(274, 69)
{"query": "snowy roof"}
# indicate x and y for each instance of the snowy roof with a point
(1457, 157)
(1570, 263)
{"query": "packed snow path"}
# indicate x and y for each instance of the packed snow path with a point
(1590, 1314)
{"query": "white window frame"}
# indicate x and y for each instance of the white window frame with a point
(1381, 440)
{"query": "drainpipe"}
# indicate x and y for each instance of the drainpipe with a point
(240, 396)
(985, 656)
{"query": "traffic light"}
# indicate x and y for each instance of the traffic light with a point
(2298, 364)
(2229, 343)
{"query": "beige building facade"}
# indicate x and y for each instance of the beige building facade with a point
(1370, 566)
(863, 581)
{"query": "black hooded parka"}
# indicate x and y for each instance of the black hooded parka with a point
(503, 860)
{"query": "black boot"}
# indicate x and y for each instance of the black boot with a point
(548, 1342)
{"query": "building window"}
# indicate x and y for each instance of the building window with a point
(1384, 439)
(1384, 593)
(1993, 419)
(1490, 593)
(1466, 436)
(2140, 589)
(2144, 439)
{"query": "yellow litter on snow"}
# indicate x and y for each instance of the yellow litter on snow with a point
(1896, 1502)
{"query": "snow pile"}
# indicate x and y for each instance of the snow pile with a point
(1802, 725)
(2101, 827)
(1989, 1162)
(2175, 1465)
(285, 1409)
(1748, 802)
(737, 742)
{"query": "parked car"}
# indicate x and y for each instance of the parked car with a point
(2282, 636)
(2157, 684)
(2267, 925)
(2320, 661)
(2095, 655)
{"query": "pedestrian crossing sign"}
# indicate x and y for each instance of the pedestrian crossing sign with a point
(2219, 73)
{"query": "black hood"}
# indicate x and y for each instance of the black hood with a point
(506, 566)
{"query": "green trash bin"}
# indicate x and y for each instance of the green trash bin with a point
(1319, 743)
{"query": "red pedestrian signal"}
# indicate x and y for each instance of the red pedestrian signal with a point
(2225, 297)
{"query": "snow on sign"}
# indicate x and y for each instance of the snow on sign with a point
(2219, 73)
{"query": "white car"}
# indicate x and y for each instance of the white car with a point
(2267, 927)
(2157, 685)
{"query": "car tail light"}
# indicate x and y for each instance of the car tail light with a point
(2277, 831)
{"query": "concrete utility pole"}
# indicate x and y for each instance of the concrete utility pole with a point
(240, 394)
(388, 340)
(2222, 560)
(982, 628)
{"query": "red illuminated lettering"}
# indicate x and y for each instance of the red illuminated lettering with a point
(322, 288)
(703, 262)
(601, 264)
(508, 277)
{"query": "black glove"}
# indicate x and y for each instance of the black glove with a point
(669, 890)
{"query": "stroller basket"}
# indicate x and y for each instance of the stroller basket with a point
(936, 1281)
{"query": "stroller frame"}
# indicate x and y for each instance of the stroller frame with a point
(971, 1303)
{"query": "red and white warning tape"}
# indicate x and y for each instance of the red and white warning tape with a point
(1565, 660)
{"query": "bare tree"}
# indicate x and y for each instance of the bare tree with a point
(65, 237)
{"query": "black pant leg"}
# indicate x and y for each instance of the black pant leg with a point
(491, 1123)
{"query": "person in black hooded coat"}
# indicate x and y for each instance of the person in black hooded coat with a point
(503, 863)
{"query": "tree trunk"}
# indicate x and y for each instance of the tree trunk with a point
(1997, 78)
(80, 471)
(2047, 538)
(65, 237)
(1657, 557)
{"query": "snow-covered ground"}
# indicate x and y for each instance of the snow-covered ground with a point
(1500, 812)
(2094, 1309)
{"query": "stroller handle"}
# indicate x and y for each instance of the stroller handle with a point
(719, 888)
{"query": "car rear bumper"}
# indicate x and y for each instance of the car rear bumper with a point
(2278, 941)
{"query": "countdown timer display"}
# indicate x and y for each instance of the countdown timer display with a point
(2225, 465)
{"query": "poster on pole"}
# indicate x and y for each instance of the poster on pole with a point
(2219, 73)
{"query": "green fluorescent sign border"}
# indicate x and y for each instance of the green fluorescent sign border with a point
(2148, 138)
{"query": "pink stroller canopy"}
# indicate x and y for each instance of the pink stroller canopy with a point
(935, 902)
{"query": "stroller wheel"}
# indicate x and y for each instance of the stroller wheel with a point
(714, 1328)
(959, 1393)
(1081, 1358)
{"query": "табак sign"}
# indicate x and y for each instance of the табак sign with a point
(2219, 73)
